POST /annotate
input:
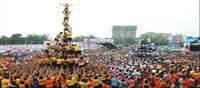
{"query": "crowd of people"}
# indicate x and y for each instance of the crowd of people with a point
(100, 68)
(66, 66)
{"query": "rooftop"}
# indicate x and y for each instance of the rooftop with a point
(130, 27)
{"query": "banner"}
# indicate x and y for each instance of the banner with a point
(22, 48)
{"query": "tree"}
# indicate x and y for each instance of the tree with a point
(129, 41)
(36, 39)
(177, 37)
(81, 38)
(4, 40)
(18, 39)
(126, 41)
(157, 38)
(78, 39)
(119, 40)
(91, 37)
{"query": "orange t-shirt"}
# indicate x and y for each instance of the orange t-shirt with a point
(157, 84)
(106, 86)
(49, 83)
(58, 79)
(103, 76)
(63, 81)
(179, 74)
(163, 84)
(27, 81)
(13, 76)
(172, 81)
(41, 81)
(21, 86)
(153, 79)
(108, 76)
(190, 82)
(131, 82)
(184, 84)
(196, 76)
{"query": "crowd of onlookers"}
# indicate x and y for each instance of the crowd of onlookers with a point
(101, 68)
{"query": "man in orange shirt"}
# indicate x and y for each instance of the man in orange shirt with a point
(66, 27)
(63, 81)
(157, 83)
(22, 84)
(196, 75)
(68, 36)
(163, 84)
(146, 84)
(66, 6)
(49, 82)
(184, 84)
(5, 82)
(106, 85)
(47, 49)
(131, 82)
(84, 83)
(66, 16)
(153, 78)
(96, 82)
(41, 81)
(58, 36)
(190, 82)
(58, 48)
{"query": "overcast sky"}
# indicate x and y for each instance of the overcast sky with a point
(97, 17)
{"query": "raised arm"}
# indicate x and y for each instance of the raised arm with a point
(61, 4)
(64, 4)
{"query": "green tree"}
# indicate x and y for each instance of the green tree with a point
(36, 39)
(176, 37)
(91, 37)
(78, 39)
(129, 41)
(4, 40)
(81, 38)
(118, 40)
(16, 39)
(126, 41)
(157, 38)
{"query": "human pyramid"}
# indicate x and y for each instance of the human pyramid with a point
(64, 46)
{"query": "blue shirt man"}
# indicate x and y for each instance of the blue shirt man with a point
(114, 82)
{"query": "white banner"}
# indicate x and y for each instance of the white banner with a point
(23, 48)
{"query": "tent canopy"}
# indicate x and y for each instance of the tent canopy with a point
(191, 39)
(108, 45)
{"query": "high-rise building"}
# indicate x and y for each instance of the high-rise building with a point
(124, 32)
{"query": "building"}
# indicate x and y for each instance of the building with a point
(124, 32)
(192, 45)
